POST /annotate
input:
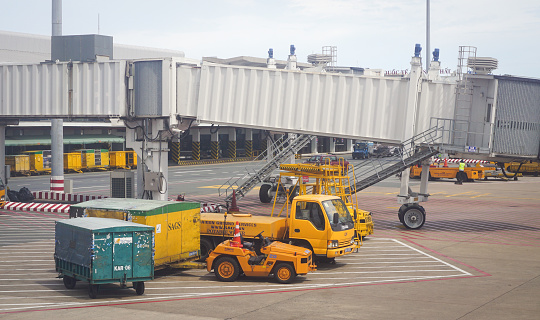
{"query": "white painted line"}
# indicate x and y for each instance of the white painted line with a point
(451, 266)
(389, 271)
(179, 173)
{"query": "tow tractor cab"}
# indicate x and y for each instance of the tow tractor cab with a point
(325, 222)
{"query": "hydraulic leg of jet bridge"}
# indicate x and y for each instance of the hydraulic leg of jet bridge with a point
(411, 214)
(148, 137)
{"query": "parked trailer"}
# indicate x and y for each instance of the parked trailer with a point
(38, 165)
(468, 175)
(177, 225)
(103, 251)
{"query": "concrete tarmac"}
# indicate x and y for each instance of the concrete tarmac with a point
(477, 257)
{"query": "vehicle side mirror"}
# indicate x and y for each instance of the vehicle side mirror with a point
(355, 215)
(336, 218)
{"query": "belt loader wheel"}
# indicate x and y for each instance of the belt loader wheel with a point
(413, 216)
(226, 269)
(284, 273)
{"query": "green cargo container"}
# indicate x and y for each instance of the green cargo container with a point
(101, 251)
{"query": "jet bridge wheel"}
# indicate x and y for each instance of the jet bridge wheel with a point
(412, 216)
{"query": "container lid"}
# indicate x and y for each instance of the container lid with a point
(141, 207)
(104, 224)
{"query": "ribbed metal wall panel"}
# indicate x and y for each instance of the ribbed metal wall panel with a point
(32, 90)
(517, 119)
(321, 103)
(187, 81)
(437, 100)
(42, 90)
(99, 89)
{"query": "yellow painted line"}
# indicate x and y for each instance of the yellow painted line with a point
(480, 195)
(438, 193)
(458, 194)
(392, 193)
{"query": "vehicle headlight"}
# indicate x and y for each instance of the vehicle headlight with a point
(332, 244)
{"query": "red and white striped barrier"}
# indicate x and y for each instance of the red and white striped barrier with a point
(68, 197)
(37, 207)
(209, 207)
(437, 160)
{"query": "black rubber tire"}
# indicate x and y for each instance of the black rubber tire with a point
(515, 177)
(264, 193)
(206, 247)
(414, 217)
(93, 290)
(463, 176)
(293, 192)
(226, 269)
(284, 273)
(69, 282)
(139, 287)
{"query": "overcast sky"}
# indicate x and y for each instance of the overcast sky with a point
(378, 34)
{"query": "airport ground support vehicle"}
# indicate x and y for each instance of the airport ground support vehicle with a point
(302, 179)
(263, 258)
(468, 175)
(176, 223)
(527, 167)
(360, 150)
(103, 251)
(320, 223)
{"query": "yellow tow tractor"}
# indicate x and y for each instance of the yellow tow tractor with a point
(261, 258)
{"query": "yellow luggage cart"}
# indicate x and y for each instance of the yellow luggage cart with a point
(38, 165)
(19, 164)
(73, 162)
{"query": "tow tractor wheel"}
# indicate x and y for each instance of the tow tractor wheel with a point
(413, 216)
(265, 194)
(284, 273)
(206, 248)
(226, 269)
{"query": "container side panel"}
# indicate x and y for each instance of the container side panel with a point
(73, 244)
(191, 231)
(123, 255)
(143, 265)
(102, 266)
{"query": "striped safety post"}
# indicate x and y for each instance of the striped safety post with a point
(231, 149)
(57, 183)
(175, 151)
(264, 145)
(249, 148)
(214, 149)
(196, 150)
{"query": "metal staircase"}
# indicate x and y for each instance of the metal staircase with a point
(414, 150)
(280, 151)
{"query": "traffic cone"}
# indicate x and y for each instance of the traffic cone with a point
(445, 163)
(236, 241)
(234, 206)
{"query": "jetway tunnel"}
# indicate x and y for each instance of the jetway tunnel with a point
(172, 93)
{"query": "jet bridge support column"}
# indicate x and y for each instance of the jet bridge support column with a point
(411, 214)
(148, 137)
(332, 144)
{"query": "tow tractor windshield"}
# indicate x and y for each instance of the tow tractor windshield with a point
(338, 206)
